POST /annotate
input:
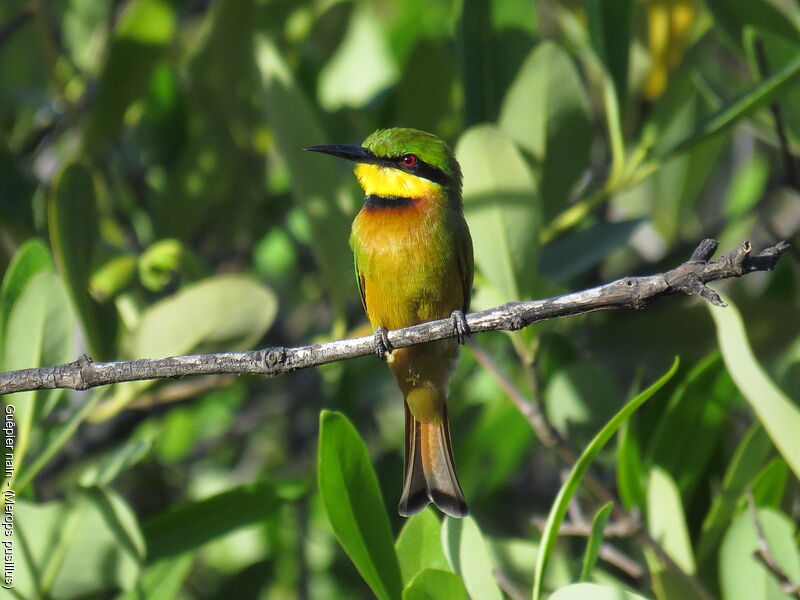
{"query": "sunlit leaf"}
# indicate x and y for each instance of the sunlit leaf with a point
(501, 207)
(742, 576)
(419, 545)
(592, 591)
(780, 417)
(433, 584)
(570, 486)
(162, 580)
(225, 312)
(139, 41)
(595, 540)
(361, 67)
(468, 555)
(666, 521)
(546, 111)
(59, 561)
(318, 182)
(31, 258)
(753, 449)
(39, 332)
(354, 504)
(74, 233)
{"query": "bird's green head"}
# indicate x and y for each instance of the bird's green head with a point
(401, 162)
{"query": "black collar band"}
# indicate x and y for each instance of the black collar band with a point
(373, 202)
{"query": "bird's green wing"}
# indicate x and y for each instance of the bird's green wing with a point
(466, 264)
(360, 282)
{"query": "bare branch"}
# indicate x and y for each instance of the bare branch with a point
(633, 292)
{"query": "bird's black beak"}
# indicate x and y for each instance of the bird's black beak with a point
(355, 153)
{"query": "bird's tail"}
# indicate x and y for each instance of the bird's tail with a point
(430, 473)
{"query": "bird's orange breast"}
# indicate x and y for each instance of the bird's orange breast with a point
(407, 263)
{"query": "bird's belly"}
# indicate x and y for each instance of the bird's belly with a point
(408, 281)
(405, 292)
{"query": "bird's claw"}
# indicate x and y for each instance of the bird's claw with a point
(381, 343)
(460, 327)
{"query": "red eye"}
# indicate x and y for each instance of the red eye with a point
(409, 160)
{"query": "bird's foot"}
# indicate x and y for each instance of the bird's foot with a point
(460, 327)
(381, 343)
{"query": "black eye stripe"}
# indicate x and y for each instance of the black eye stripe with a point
(420, 169)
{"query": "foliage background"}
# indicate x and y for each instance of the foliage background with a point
(154, 201)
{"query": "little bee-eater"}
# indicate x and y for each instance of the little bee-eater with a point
(413, 259)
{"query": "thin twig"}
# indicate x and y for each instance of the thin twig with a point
(598, 488)
(620, 529)
(608, 552)
(507, 585)
(547, 434)
(764, 554)
(632, 292)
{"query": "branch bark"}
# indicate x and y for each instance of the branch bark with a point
(688, 278)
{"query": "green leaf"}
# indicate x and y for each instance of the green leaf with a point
(163, 260)
(760, 94)
(592, 591)
(419, 545)
(630, 469)
(40, 331)
(501, 204)
(770, 483)
(742, 576)
(747, 186)
(468, 555)
(74, 233)
(193, 524)
(733, 17)
(780, 417)
(87, 545)
(595, 540)
(494, 37)
(546, 111)
(666, 521)
(361, 67)
(318, 182)
(224, 312)
(162, 580)
(221, 313)
(579, 398)
(498, 442)
(669, 195)
(31, 258)
(610, 33)
(779, 52)
(570, 486)
(753, 449)
(433, 584)
(113, 277)
(688, 433)
(139, 42)
(354, 504)
(574, 254)
(104, 470)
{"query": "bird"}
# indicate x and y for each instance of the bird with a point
(414, 263)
